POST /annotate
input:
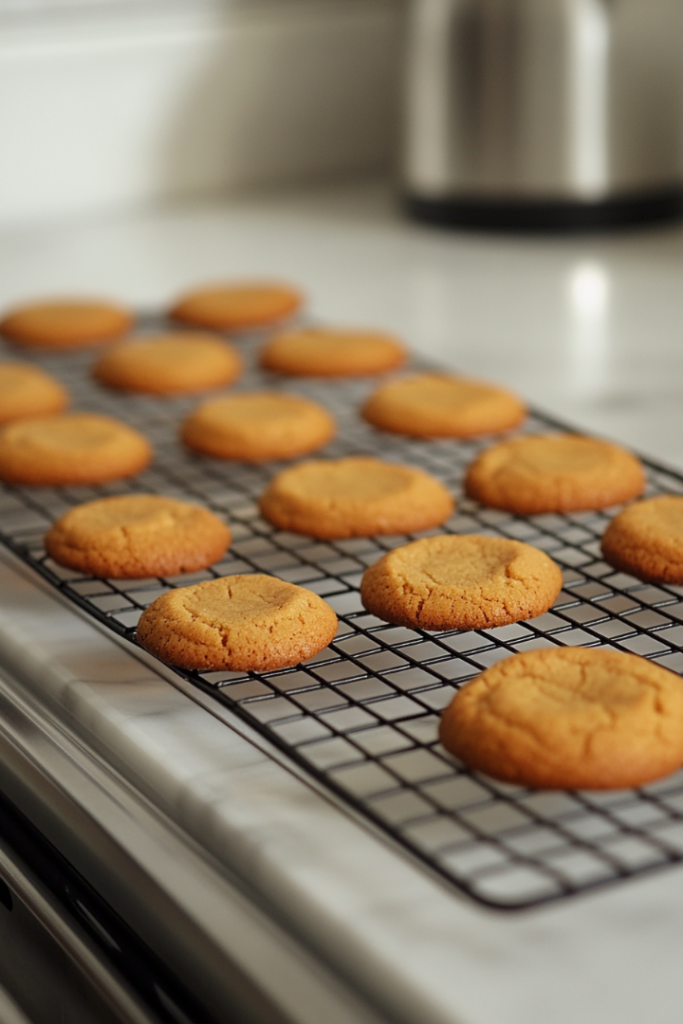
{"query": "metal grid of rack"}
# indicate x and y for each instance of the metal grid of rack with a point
(362, 715)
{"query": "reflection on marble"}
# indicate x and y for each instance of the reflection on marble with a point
(588, 342)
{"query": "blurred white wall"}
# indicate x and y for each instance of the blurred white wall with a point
(106, 104)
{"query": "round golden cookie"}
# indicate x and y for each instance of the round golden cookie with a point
(137, 535)
(77, 448)
(559, 473)
(325, 352)
(461, 582)
(646, 540)
(27, 391)
(569, 718)
(237, 307)
(441, 405)
(354, 497)
(65, 324)
(258, 426)
(244, 623)
(169, 364)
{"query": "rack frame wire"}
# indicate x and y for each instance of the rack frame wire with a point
(361, 716)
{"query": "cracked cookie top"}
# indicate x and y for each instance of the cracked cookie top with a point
(461, 582)
(258, 426)
(330, 352)
(646, 540)
(133, 536)
(442, 405)
(569, 718)
(242, 623)
(237, 307)
(354, 497)
(65, 324)
(27, 391)
(557, 473)
(75, 448)
(169, 364)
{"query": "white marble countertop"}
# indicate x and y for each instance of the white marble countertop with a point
(585, 328)
(589, 328)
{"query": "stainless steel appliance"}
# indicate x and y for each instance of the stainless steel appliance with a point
(544, 113)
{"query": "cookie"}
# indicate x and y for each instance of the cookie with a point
(463, 582)
(258, 426)
(441, 405)
(243, 623)
(27, 391)
(137, 535)
(354, 497)
(78, 448)
(569, 718)
(65, 324)
(646, 540)
(169, 364)
(237, 307)
(559, 473)
(325, 352)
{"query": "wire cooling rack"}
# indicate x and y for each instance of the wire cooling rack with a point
(362, 715)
